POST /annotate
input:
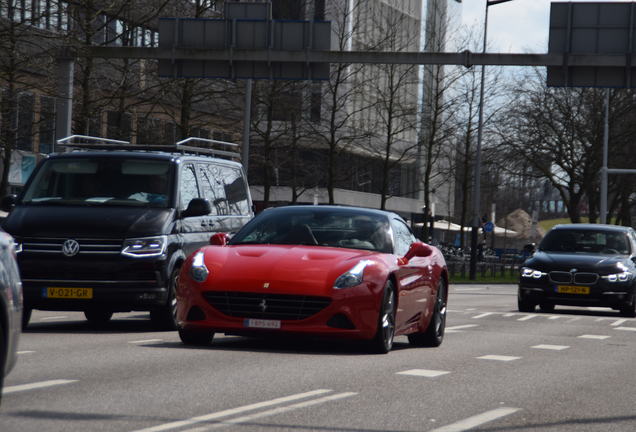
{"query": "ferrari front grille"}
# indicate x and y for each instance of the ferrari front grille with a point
(266, 306)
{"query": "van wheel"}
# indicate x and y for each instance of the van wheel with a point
(165, 317)
(26, 317)
(98, 315)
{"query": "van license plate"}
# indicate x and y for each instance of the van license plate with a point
(567, 289)
(258, 323)
(69, 293)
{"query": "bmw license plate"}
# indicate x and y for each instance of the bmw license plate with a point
(259, 323)
(68, 293)
(569, 289)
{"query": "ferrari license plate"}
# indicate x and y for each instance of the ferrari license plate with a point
(259, 323)
(568, 289)
(68, 293)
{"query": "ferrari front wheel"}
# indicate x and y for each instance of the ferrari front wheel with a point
(433, 336)
(193, 337)
(383, 340)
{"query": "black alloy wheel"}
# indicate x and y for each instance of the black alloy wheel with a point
(629, 311)
(383, 340)
(98, 315)
(524, 305)
(433, 336)
(165, 317)
(546, 306)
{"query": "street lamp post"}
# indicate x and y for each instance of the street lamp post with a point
(476, 220)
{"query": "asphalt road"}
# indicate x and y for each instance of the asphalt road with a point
(497, 370)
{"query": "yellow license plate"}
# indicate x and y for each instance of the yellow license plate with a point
(568, 289)
(69, 293)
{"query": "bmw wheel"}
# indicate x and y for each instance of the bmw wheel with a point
(434, 334)
(98, 315)
(524, 305)
(383, 340)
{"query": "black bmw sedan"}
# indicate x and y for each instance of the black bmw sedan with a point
(581, 265)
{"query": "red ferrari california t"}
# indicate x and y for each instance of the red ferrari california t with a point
(323, 271)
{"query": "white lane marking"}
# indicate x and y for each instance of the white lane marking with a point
(618, 322)
(482, 315)
(25, 352)
(145, 341)
(423, 372)
(626, 328)
(498, 358)
(477, 420)
(551, 347)
(272, 412)
(527, 317)
(509, 315)
(54, 318)
(229, 412)
(554, 317)
(456, 329)
(594, 337)
(574, 319)
(37, 385)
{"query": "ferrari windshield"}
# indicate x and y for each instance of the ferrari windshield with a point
(586, 241)
(101, 181)
(320, 227)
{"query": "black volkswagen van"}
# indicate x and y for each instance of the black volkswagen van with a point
(104, 228)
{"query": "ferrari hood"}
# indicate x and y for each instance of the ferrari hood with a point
(279, 268)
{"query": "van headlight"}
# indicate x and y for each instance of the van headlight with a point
(144, 247)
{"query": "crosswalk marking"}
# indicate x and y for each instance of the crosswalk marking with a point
(586, 336)
(551, 347)
(498, 358)
(477, 420)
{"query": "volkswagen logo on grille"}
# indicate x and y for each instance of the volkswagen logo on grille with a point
(263, 305)
(70, 247)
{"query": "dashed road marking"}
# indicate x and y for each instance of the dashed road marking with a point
(498, 358)
(527, 317)
(554, 317)
(37, 385)
(25, 352)
(594, 337)
(423, 373)
(618, 322)
(626, 328)
(233, 411)
(54, 318)
(459, 328)
(483, 315)
(147, 341)
(477, 420)
(551, 347)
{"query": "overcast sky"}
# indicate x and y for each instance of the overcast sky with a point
(517, 26)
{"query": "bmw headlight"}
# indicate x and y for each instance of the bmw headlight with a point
(144, 247)
(353, 277)
(198, 271)
(527, 272)
(618, 277)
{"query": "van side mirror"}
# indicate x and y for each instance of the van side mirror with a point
(197, 207)
(7, 202)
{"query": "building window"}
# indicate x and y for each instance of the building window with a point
(47, 124)
(314, 112)
(26, 120)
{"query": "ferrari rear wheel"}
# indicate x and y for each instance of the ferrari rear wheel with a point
(193, 337)
(383, 340)
(434, 334)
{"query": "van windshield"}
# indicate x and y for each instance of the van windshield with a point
(111, 181)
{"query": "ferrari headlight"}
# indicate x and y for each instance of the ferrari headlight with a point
(144, 247)
(527, 272)
(198, 271)
(618, 277)
(353, 277)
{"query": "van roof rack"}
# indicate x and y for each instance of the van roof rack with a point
(204, 149)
